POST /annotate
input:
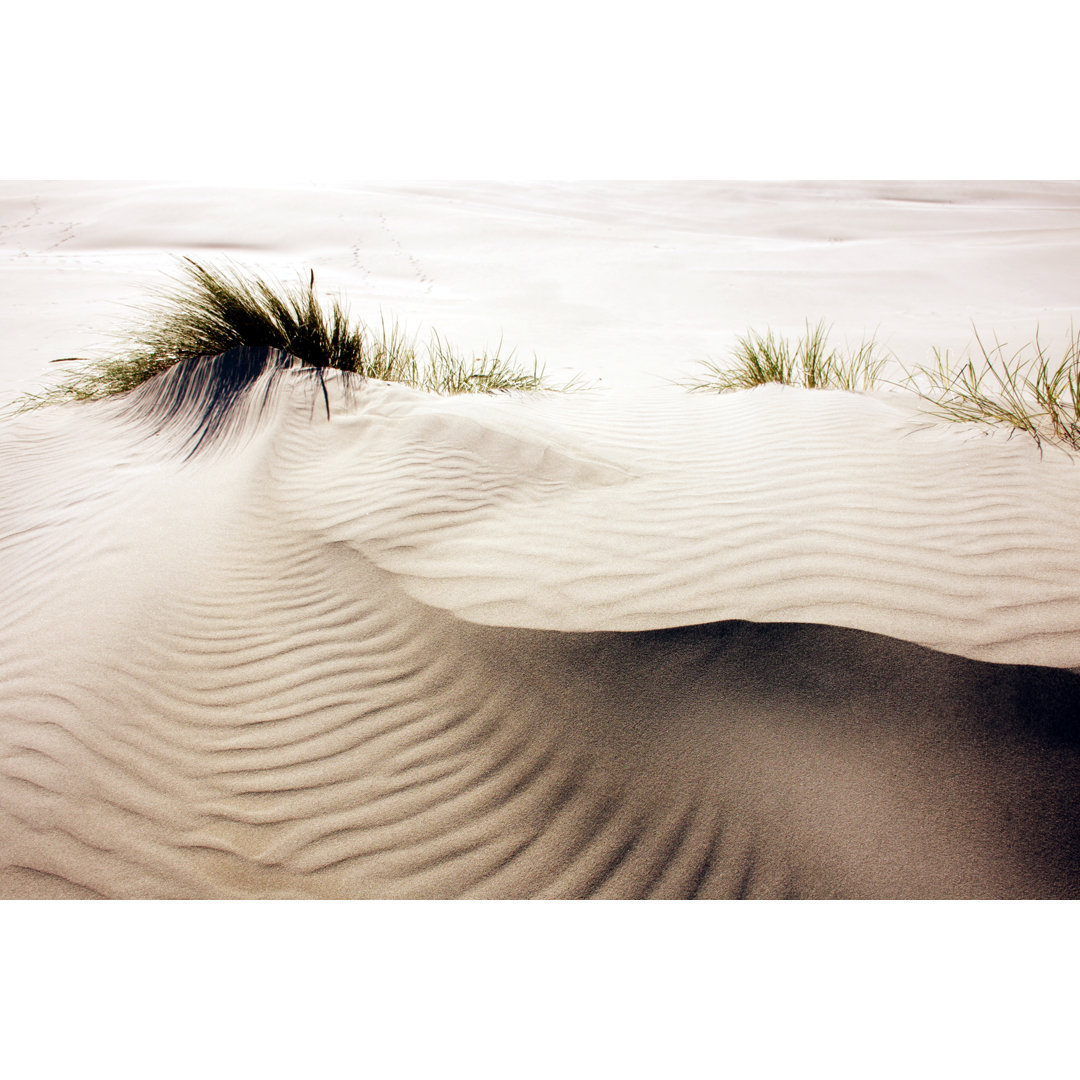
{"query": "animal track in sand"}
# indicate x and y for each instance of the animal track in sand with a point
(418, 270)
(31, 221)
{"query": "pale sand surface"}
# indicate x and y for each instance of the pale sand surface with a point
(629, 284)
(629, 642)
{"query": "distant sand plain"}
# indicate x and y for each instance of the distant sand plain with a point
(629, 642)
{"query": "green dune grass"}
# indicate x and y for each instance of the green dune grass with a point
(211, 309)
(1026, 390)
(767, 358)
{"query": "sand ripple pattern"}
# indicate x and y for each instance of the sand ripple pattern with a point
(385, 652)
(777, 505)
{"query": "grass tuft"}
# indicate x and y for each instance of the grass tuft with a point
(1025, 390)
(766, 358)
(210, 309)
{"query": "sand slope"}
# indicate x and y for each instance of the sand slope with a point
(778, 504)
(431, 647)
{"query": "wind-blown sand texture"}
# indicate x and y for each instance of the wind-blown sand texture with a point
(336, 640)
(266, 636)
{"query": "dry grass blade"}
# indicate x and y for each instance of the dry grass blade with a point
(451, 373)
(817, 363)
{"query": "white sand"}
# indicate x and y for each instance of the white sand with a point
(318, 659)
(629, 284)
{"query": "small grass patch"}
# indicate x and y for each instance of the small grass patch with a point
(209, 310)
(1025, 390)
(768, 358)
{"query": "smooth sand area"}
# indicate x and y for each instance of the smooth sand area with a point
(629, 642)
(628, 284)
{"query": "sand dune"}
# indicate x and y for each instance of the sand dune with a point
(352, 640)
(630, 642)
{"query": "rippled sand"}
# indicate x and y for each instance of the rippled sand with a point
(370, 642)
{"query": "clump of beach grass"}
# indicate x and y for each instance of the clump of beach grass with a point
(1027, 390)
(769, 358)
(209, 310)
